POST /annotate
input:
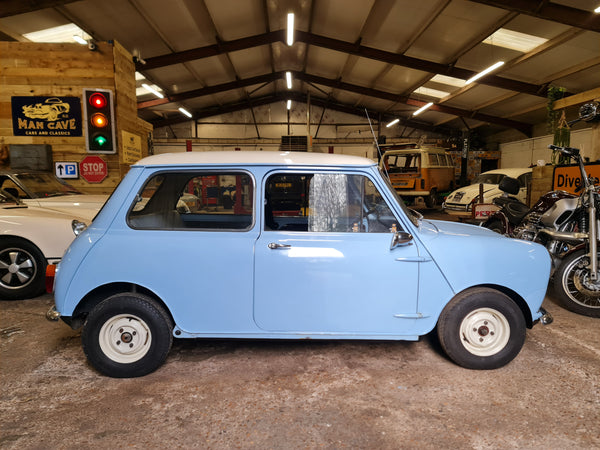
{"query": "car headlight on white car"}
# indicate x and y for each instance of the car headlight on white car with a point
(78, 227)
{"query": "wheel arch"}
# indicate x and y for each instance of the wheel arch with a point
(515, 297)
(94, 297)
(6, 237)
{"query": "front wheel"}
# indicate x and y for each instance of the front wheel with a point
(431, 200)
(127, 335)
(22, 269)
(574, 286)
(481, 329)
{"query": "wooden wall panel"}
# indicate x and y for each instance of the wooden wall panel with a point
(34, 69)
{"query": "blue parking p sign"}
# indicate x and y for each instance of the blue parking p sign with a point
(64, 169)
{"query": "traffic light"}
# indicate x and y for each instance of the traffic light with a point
(99, 119)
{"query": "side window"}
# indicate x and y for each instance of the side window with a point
(433, 159)
(326, 202)
(185, 200)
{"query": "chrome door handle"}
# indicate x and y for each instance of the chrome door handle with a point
(274, 246)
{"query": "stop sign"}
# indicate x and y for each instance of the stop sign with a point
(93, 169)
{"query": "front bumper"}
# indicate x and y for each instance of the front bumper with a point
(545, 318)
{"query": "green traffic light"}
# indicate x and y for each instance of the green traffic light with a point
(100, 140)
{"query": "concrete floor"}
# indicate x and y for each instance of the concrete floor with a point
(309, 394)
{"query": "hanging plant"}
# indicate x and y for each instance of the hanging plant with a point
(562, 138)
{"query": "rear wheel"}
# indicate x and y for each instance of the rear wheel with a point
(576, 290)
(22, 269)
(482, 329)
(127, 335)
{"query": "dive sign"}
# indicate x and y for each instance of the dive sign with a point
(568, 178)
(93, 169)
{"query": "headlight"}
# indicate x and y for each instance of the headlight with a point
(78, 227)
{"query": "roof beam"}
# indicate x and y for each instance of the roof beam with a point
(554, 12)
(211, 50)
(338, 84)
(14, 7)
(301, 98)
(344, 47)
(209, 90)
(418, 64)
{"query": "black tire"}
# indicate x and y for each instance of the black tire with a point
(22, 269)
(431, 200)
(495, 225)
(481, 329)
(574, 288)
(127, 335)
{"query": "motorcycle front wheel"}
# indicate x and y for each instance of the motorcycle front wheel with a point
(574, 286)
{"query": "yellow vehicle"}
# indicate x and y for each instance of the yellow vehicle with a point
(418, 171)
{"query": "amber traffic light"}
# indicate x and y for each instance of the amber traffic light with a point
(99, 121)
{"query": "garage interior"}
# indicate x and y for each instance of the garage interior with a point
(206, 75)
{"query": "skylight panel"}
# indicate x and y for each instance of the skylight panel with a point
(62, 33)
(514, 40)
(450, 81)
(431, 92)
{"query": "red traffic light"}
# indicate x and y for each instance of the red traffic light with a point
(98, 100)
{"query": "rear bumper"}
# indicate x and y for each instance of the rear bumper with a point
(53, 315)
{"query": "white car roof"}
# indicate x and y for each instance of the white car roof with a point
(511, 172)
(254, 158)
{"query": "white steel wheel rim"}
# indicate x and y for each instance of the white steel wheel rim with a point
(484, 332)
(125, 338)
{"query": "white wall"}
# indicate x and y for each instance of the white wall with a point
(526, 152)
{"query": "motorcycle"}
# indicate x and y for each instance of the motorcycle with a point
(555, 210)
(567, 225)
(576, 279)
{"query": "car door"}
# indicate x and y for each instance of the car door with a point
(327, 266)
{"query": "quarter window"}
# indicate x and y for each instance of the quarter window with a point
(326, 202)
(184, 200)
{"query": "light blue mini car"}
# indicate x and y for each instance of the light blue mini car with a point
(287, 246)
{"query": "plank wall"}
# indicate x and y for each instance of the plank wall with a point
(35, 69)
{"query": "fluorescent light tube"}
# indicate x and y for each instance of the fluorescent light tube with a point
(288, 79)
(484, 72)
(423, 108)
(290, 28)
(151, 89)
(289, 104)
(185, 112)
(79, 40)
(393, 122)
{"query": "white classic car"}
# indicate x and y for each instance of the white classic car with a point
(30, 238)
(460, 201)
(44, 189)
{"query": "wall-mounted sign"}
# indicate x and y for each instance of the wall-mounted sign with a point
(568, 178)
(93, 169)
(64, 169)
(46, 116)
(132, 147)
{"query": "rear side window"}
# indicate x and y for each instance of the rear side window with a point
(326, 202)
(192, 201)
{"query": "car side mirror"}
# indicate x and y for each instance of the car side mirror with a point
(401, 238)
